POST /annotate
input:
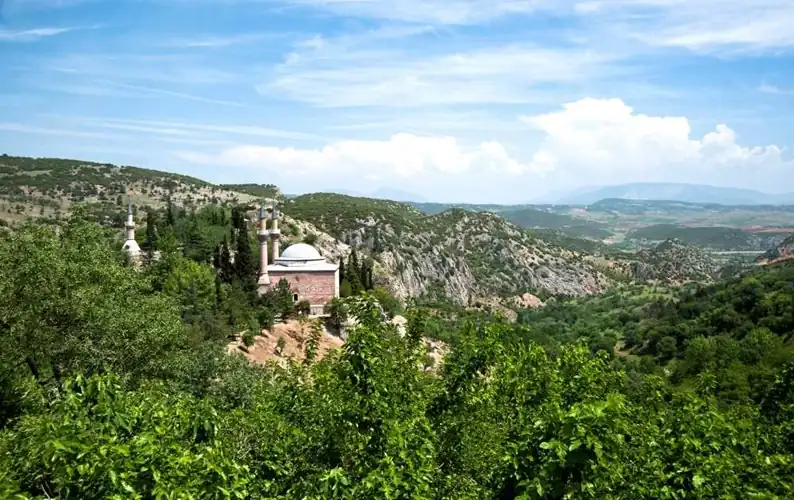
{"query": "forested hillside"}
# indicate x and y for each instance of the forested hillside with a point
(115, 383)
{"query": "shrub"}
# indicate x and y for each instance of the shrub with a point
(310, 239)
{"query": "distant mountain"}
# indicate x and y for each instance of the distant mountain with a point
(692, 193)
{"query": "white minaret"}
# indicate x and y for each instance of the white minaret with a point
(130, 247)
(263, 284)
(275, 233)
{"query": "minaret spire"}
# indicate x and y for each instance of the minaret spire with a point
(275, 232)
(264, 280)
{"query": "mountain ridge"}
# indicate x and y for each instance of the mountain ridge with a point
(671, 191)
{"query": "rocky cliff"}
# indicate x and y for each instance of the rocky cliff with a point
(457, 253)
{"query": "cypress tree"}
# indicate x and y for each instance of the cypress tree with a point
(341, 270)
(244, 267)
(151, 233)
(353, 273)
(226, 269)
(376, 245)
(169, 214)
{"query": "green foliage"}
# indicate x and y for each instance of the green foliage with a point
(99, 441)
(643, 392)
(191, 283)
(389, 302)
(70, 305)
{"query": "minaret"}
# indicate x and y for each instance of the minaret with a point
(264, 280)
(130, 247)
(130, 226)
(275, 233)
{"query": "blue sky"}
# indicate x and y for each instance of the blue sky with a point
(455, 100)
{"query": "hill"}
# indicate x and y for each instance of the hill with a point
(670, 262)
(48, 187)
(465, 255)
(693, 193)
(709, 237)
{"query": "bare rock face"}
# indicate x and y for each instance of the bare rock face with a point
(464, 255)
(458, 254)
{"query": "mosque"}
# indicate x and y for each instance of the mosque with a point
(309, 275)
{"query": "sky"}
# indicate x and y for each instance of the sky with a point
(503, 101)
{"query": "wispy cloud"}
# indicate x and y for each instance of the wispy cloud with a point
(701, 25)
(31, 35)
(178, 95)
(28, 129)
(201, 131)
(363, 71)
(166, 68)
(704, 25)
(219, 41)
(460, 12)
(774, 89)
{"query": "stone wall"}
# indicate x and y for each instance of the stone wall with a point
(318, 287)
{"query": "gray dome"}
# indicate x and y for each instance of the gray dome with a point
(300, 251)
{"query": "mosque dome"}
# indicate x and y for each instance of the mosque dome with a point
(300, 252)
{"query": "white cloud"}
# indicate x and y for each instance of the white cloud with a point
(401, 156)
(604, 141)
